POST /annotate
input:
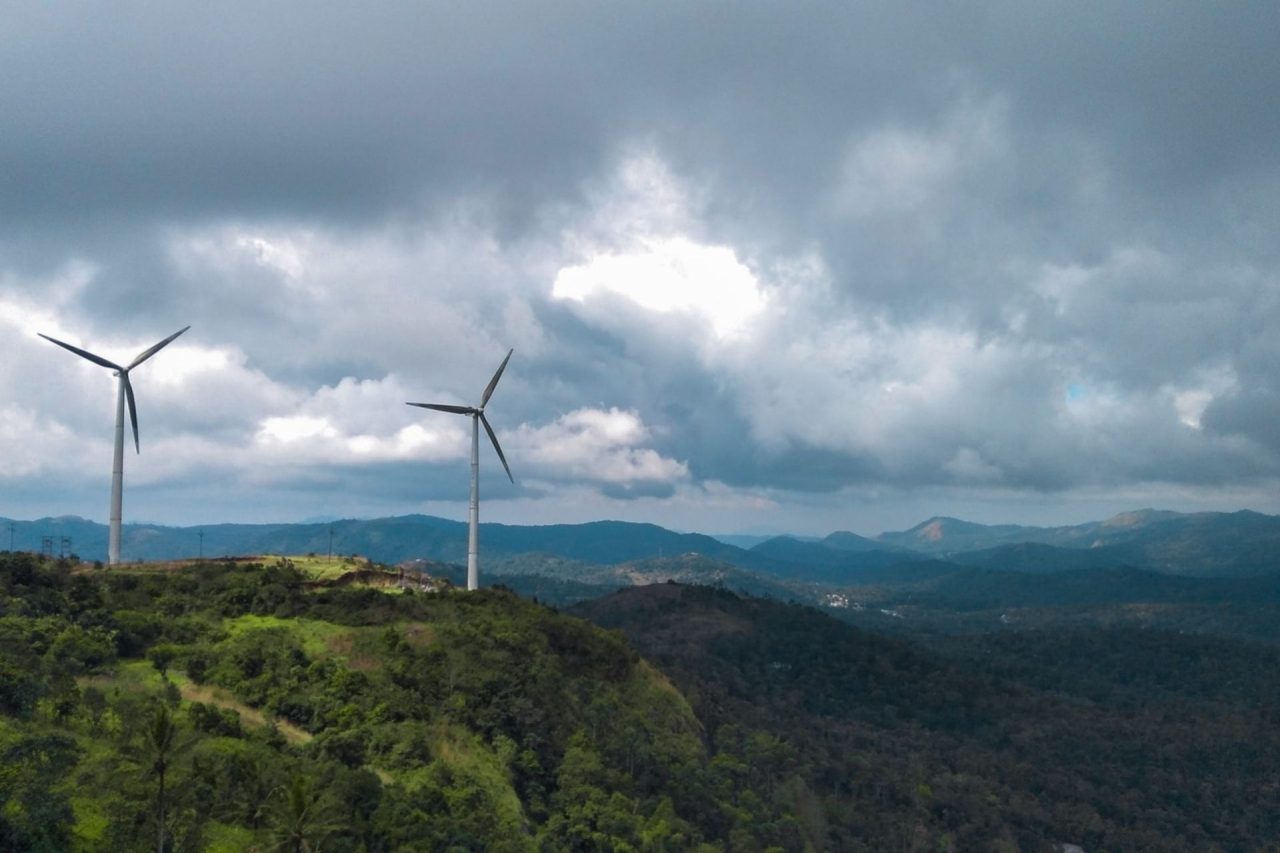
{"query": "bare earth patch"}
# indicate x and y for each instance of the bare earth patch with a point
(216, 696)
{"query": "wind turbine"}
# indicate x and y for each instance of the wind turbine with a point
(477, 418)
(124, 391)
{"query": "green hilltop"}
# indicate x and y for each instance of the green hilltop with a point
(350, 718)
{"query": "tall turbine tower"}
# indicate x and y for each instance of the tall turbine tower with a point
(124, 392)
(477, 418)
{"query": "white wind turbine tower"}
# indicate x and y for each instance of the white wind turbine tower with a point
(124, 392)
(477, 418)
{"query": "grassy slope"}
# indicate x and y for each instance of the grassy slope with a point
(463, 752)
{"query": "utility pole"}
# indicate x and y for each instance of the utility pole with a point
(201, 535)
(330, 543)
(11, 537)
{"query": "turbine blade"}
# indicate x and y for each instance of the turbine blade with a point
(133, 409)
(497, 446)
(493, 383)
(96, 359)
(442, 407)
(147, 353)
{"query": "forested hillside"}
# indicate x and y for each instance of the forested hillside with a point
(248, 706)
(1109, 739)
(233, 708)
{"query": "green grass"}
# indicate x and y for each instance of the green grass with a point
(318, 638)
(357, 647)
(131, 676)
(317, 568)
(314, 568)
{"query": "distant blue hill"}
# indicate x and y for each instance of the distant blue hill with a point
(1200, 544)
(1208, 544)
(389, 540)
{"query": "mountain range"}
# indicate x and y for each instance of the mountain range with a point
(1205, 544)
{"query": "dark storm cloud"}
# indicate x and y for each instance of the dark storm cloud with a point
(304, 110)
(1035, 241)
(1181, 93)
(1251, 413)
(287, 110)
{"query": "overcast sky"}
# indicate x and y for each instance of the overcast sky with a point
(765, 266)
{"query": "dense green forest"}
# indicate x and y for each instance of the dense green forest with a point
(1107, 738)
(241, 706)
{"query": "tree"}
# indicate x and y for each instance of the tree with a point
(77, 650)
(160, 746)
(299, 817)
(35, 814)
(19, 689)
(162, 655)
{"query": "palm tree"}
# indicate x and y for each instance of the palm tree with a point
(160, 746)
(298, 817)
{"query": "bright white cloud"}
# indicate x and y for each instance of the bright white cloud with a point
(183, 364)
(640, 241)
(671, 275)
(292, 430)
(356, 421)
(603, 446)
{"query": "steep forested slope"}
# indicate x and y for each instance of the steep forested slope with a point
(1010, 741)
